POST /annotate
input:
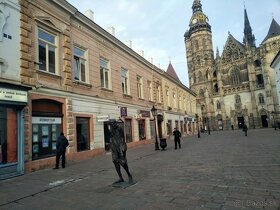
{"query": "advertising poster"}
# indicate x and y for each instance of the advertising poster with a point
(45, 141)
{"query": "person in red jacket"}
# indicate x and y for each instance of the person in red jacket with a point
(61, 144)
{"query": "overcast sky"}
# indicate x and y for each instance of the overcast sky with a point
(157, 26)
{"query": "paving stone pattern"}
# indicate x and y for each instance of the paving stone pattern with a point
(224, 170)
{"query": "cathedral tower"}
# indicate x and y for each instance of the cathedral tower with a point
(200, 59)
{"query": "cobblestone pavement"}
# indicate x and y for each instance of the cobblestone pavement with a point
(224, 170)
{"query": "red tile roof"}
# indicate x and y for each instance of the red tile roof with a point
(171, 72)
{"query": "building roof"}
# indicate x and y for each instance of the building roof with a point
(273, 31)
(275, 58)
(170, 71)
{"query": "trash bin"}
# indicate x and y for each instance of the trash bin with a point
(163, 143)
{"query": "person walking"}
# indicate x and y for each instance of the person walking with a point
(61, 144)
(177, 136)
(118, 148)
(245, 129)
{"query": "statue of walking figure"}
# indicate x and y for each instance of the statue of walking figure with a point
(118, 148)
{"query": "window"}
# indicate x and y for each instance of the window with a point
(158, 94)
(260, 81)
(47, 51)
(150, 91)
(104, 73)
(261, 99)
(200, 78)
(82, 129)
(235, 77)
(167, 98)
(169, 127)
(80, 72)
(218, 105)
(180, 102)
(125, 81)
(174, 100)
(141, 127)
(201, 93)
(139, 87)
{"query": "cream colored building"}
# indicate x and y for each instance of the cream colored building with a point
(81, 77)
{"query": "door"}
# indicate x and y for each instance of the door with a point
(106, 136)
(240, 121)
(264, 121)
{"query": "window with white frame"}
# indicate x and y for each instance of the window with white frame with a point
(150, 90)
(139, 80)
(80, 65)
(47, 51)
(125, 81)
(104, 73)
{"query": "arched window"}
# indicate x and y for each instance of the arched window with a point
(216, 89)
(200, 76)
(237, 99)
(261, 99)
(218, 105)
(235, 76)
(194, 78)
(201, 93)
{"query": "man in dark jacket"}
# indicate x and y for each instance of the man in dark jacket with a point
(61, 145)
(119, 147)
(245, 129)
(177, 136)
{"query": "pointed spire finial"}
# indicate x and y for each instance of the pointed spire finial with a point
(169, 59)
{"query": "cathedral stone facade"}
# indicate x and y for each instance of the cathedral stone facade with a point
(235, 87)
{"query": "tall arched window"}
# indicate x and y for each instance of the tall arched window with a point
(261, 99)
(194, 78)
(235, 76)
(218, 105)
(200, 76)
(216, 88)
(201, 93)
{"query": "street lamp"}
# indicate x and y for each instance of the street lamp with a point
(154, 113)
(197, 125)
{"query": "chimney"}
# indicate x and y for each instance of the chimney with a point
(141, 52)
(111, 30)
(129, 43)
(89, 14)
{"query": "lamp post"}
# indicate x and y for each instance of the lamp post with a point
(198, 132)
(154, 113)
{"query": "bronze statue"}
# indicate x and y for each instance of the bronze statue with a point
(118, 148)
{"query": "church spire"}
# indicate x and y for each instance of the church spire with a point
(249, 38)
(196, 6)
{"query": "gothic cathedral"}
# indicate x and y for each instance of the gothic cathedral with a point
(237, 87)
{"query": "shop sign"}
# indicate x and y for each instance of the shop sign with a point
(103, 118)
(46, 120)
(144, 113)
(123, 111)
(13, 95)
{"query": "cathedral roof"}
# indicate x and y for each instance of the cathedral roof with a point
(274, 30)
(171, 72)
(232, 46)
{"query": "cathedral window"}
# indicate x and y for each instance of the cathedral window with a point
(235, 77)
(260, 81)
(258, 63)
(218, 105)
(216, 89)
(194, 78)
(200, 76)
(261, 99)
